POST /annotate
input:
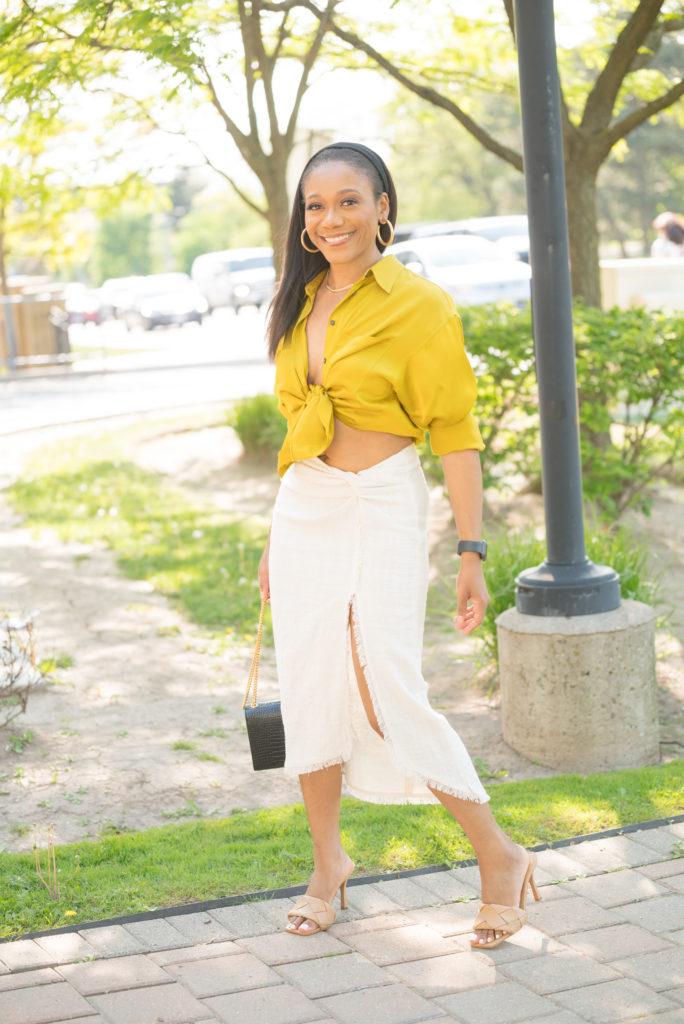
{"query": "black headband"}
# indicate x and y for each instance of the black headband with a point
(369, 154)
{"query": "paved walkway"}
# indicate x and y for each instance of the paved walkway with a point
(604, 945)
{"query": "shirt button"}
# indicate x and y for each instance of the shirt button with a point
(324, 359)
(332, 323)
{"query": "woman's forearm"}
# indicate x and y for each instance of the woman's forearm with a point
(463, 477)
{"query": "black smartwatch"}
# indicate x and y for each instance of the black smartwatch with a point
(480, 546)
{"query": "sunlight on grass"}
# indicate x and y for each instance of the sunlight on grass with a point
(201, 557)
(271, 848)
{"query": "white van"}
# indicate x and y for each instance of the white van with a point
(235, 277)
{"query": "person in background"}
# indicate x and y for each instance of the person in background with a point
(670, 240)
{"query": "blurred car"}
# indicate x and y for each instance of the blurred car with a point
(510, 231)
(162, 299)
(115, 295)
(82, 304)
(470, 268)
(236, 277)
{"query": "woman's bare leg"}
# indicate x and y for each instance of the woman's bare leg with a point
(502, 862)
(321, 792)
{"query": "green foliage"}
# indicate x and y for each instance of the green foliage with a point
(510, 553)
(216, 222)
(122, 245)
(445, 174)
(222, 61)
(201, 557)
(56, 661)
(250, 852)
(631, 380)
(17, 743)
(499, 339)
(39, 206)
(258, 424)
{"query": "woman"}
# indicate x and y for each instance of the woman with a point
(368, 356)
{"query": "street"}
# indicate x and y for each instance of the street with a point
(116, 372)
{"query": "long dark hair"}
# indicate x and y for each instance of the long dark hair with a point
(675, 232)
(300, 266)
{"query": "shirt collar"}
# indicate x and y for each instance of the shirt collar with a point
(385, 272)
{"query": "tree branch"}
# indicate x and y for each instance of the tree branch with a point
(239, 138)
(424, 91)
(600, 103)
(283, 34)
(238, 191)
(307, 64)
(510, 14)
(207, 159)
(250, 57)
(637, 117)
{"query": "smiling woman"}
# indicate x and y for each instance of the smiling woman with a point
(368, 357)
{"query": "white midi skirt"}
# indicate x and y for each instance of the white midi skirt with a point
(345, 541)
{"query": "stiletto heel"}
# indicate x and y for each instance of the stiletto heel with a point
(496, 917)
(312, 908)
(534, 887)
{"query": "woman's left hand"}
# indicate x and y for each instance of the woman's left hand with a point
(471, 590)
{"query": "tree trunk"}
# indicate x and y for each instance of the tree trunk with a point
(274, 181)
(583, 230)
(4, 289)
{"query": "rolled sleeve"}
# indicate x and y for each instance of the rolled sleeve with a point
(438, 390)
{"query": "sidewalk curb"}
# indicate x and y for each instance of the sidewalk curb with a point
(297, 890)
(71, 372)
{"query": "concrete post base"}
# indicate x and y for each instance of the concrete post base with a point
(579, 694)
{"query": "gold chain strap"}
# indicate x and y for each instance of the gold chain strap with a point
(254, 670)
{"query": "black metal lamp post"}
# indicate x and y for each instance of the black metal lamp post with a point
(567, 582)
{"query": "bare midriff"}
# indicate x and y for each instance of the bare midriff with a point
(354, 450)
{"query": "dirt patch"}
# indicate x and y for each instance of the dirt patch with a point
(146, 726)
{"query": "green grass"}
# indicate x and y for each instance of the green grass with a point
(248, 852)
(204, 559)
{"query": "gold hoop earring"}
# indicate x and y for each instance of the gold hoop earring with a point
(304, 245)
(391, 237)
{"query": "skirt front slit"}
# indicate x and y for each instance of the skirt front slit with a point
(357, 542)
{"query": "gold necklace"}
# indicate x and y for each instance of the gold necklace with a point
(335, 291)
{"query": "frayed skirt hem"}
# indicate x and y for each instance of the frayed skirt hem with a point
(375, 797)
(318, 767)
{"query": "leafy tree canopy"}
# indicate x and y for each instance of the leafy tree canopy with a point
(628, 72)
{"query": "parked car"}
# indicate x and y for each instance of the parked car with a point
(82, 304)
(165, 299)
(469, 267)
(511, 231)
(115, 295)
(236, 277)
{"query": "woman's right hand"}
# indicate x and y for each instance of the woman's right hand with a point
(264, 588)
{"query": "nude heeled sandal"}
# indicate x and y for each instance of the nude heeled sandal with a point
(312, 908)
(498, 918)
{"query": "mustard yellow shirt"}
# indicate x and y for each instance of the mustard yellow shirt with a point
(393, 361)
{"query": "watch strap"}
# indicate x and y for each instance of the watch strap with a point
(478, 546)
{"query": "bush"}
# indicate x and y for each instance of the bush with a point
(630, 377)
(499, 340)
(258, 424)
(631, 382)
(511, 553)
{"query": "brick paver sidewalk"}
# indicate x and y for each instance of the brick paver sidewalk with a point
(605, 944)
